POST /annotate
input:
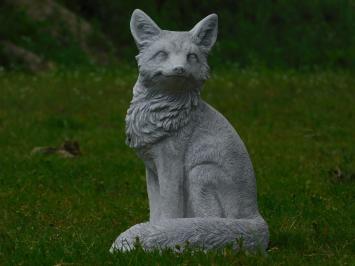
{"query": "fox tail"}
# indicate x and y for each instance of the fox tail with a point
(208, 233)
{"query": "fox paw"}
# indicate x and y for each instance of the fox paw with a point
(129, 239)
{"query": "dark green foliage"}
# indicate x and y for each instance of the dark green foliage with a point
(280, 33)
(272, 33)
(298, 127)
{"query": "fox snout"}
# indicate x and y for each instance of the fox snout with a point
(179, 70)
(176, 64)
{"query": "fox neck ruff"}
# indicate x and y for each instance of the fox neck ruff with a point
(154, 115)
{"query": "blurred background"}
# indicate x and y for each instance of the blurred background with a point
(42, 34)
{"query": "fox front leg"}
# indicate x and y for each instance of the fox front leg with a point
(170, 170)
(153, 194)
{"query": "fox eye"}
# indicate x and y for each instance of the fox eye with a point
(192, 57)
(161, 55)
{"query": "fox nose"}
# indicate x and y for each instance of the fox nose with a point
(179, 70)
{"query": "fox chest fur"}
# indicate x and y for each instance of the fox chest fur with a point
(152, 118)
(161, 125)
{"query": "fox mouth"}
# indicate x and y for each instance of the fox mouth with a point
(161, 74)
(176, 76)
(173, 81)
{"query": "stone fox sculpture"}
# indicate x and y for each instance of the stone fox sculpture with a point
(200, 179)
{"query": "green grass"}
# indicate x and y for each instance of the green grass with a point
(298, 127)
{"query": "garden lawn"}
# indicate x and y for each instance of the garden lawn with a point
(298, 128)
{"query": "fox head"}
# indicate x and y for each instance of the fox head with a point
(173, 59)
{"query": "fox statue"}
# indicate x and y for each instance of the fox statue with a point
(200, 179)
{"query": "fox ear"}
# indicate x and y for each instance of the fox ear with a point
(205, 32)
(143, 28)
